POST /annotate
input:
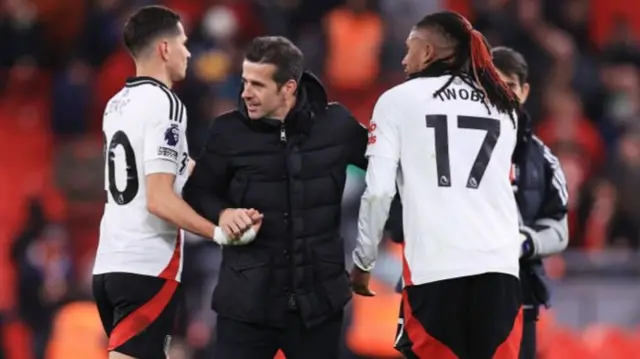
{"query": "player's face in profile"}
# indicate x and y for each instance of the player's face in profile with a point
(261, 94)
(521, 90)
(177, 55)
(417, 54)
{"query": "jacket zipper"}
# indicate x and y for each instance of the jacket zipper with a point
(291, 299)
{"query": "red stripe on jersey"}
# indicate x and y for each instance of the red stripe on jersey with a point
(423, 344)
(406, 271)
(170, 272)
(134, 323)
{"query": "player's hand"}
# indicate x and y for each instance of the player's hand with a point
(250, 234)
(360, 282)
(199, 334)
(234, 221)
(256, 217)
(190, 165)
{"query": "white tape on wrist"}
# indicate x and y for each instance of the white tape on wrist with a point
(221, 238)
(248, 236)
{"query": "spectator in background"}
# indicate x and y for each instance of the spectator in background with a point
(103, 26)
(620, 100)
(212, 83)
(615, 217)
(21, 32)
(566, 124)
(25, 115)
(41, 254)
(71, 98)
(354, 35)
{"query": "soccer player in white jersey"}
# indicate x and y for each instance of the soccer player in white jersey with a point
(139, 258)
(446, 138)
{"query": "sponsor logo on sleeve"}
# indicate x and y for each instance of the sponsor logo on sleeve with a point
(371, 129)
(168, 152)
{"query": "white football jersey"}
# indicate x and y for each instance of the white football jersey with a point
(144, 129)
(453, 158)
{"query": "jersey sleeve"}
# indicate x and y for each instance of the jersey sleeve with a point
(164, 135)
(384, 134)
(383, 153)
(550, 233)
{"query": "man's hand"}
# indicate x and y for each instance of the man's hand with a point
(360, 282)
(190, 165)
(199, 334)
(256, 217)
(235, 221)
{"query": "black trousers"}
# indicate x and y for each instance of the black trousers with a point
(528, 345)
(239, 340)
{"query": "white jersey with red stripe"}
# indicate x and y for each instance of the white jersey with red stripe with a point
(144, 129)
(450, 158)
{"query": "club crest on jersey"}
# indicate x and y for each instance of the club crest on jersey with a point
(172, 135)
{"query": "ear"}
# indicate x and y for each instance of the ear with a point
(525, 92)
(429, 53)
(290, 87)
(163, 49)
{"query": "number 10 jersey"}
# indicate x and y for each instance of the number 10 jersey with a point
(144, 132)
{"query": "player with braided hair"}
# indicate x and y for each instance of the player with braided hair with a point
(445, 139)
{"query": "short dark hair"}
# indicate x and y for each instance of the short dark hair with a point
(278, 51)
(511, 62)
(147, 24)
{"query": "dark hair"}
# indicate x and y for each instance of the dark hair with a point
(511, 62)
(147, 24)
(278, 51)
(472, 57)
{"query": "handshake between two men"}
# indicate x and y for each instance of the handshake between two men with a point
(238, 226)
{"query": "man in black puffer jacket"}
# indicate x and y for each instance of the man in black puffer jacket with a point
(284, 153)
(541, 193)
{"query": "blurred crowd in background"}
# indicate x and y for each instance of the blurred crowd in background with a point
(61, 60)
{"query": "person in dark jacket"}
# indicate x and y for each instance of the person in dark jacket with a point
(283, 152)
(541, 193)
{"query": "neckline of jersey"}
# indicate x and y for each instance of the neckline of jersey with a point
(141, 80)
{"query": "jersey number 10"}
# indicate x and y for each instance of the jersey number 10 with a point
(443, 165)
(131, 189)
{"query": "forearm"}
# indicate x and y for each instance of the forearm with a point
(170, 207)
(548, 236)
(374, 211)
